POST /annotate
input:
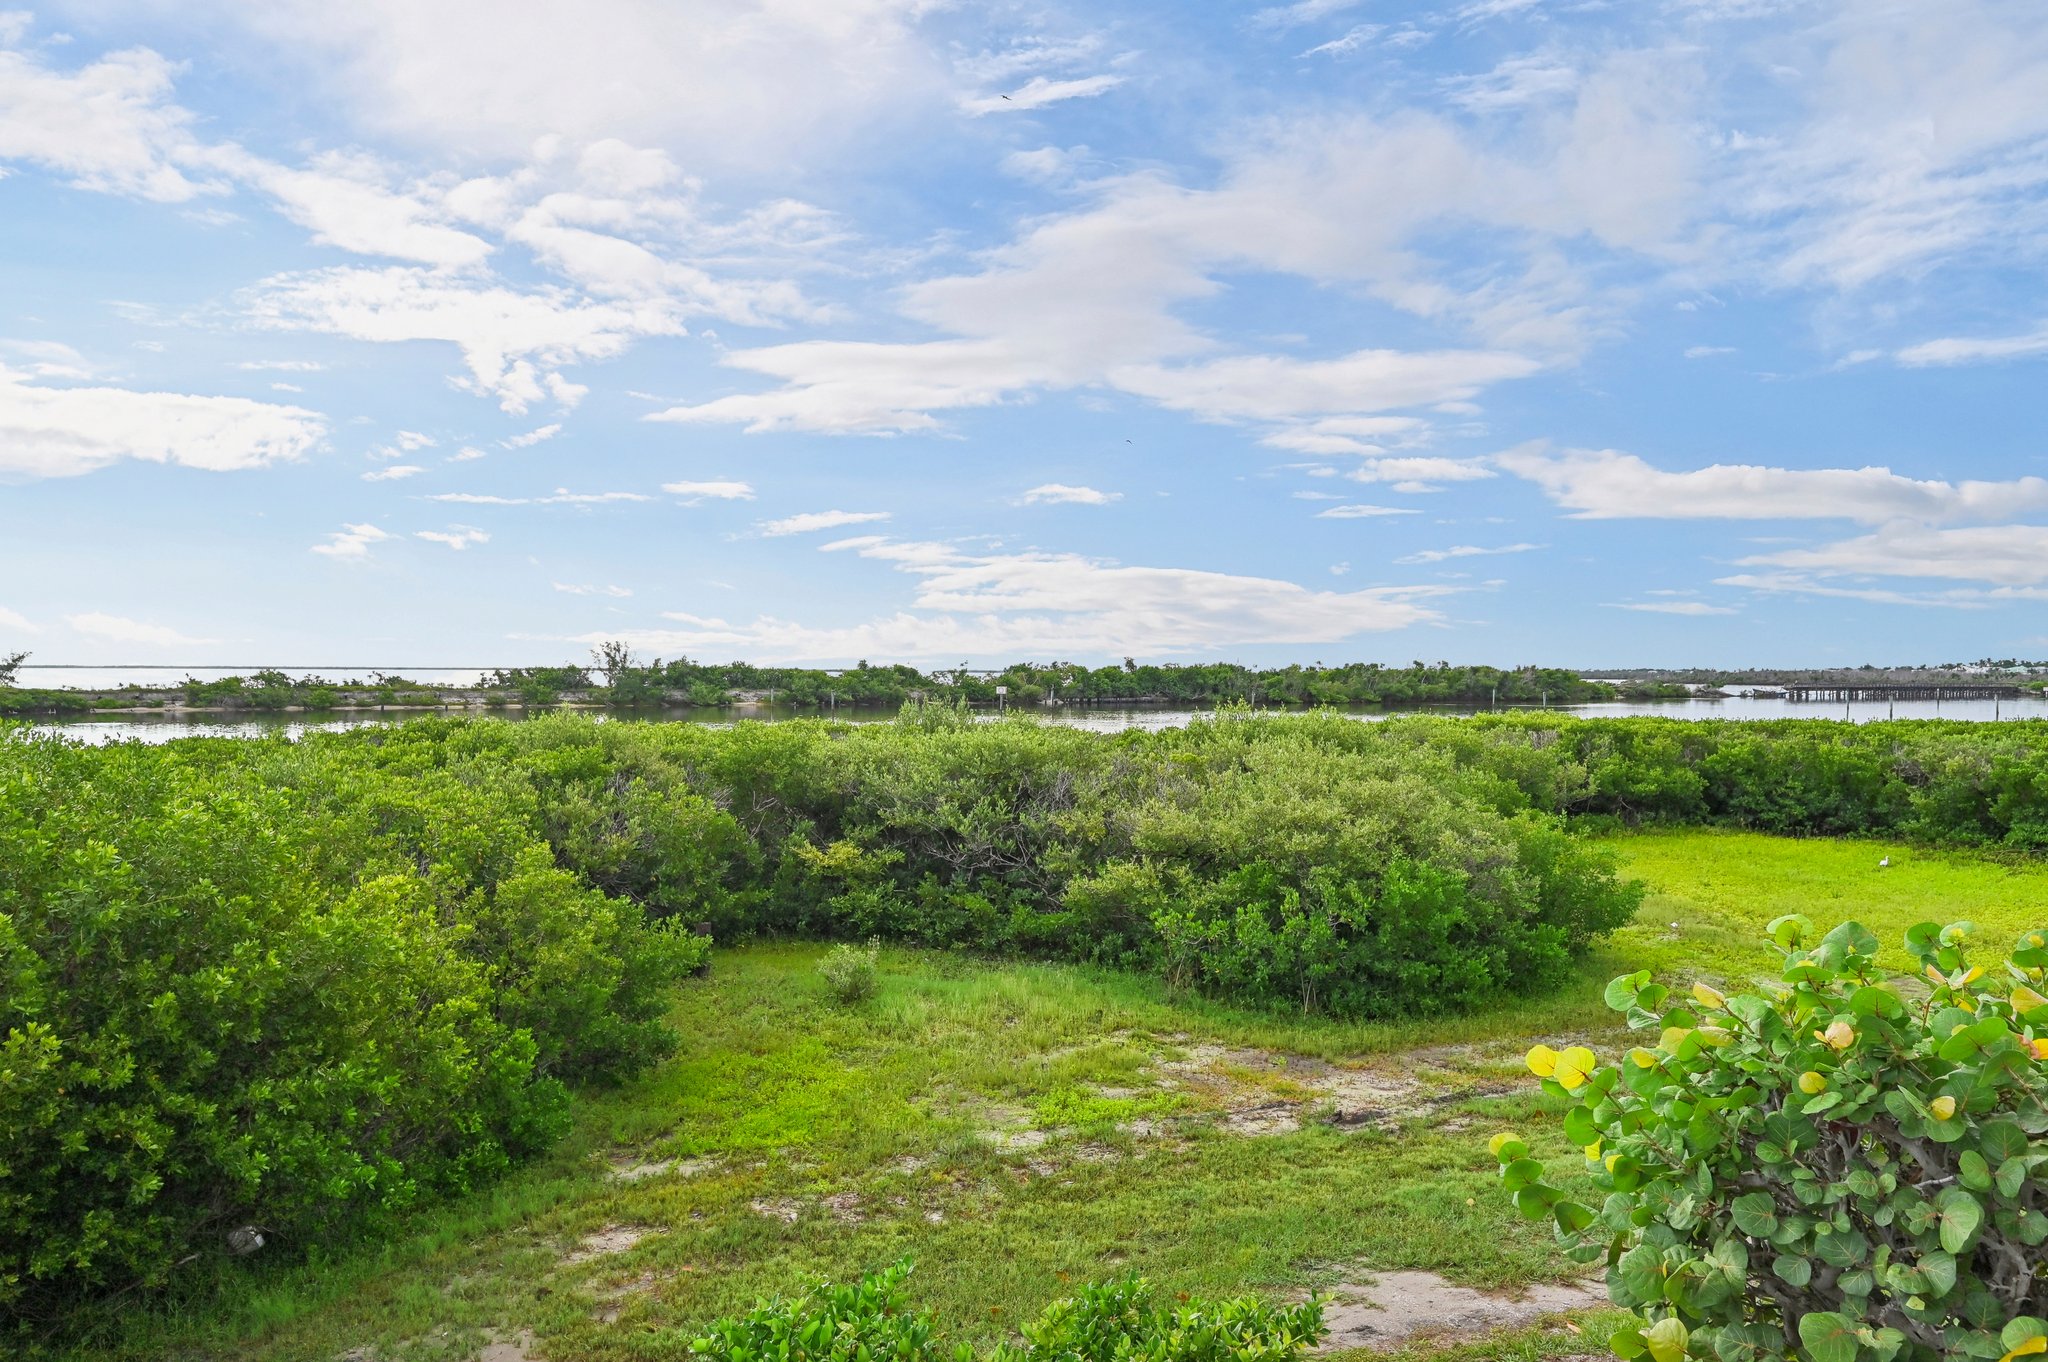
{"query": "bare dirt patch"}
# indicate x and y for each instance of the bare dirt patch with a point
(1400, 1306)
(631, 1168)
(615, 1296)
(844, 1207)
(609, 1240)
(1261, 1092)
(777, 1208)
(501, 1347)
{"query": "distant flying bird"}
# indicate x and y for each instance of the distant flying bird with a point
(1005, 96)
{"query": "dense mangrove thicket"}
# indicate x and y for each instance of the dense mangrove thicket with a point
(266, 994)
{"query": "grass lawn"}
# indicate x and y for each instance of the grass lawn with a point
(1021, 1129)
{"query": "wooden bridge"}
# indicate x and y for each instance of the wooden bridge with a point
(1839, 693)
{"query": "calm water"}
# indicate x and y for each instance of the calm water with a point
(163, 728)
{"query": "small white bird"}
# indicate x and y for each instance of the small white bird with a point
(1883, 863)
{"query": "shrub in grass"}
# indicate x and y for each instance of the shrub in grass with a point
(1117, 1321)
(1840, 1168)
(851, 973)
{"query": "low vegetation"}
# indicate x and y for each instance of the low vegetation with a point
(1122, 1319)
(270, 995)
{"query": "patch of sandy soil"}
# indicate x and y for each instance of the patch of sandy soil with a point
(777, 1208)
(1401, 1306)
(1262, 1092)
(616, 1296)
(502, 1347)
(611, 1239)
(844, 1207)
(631, 1168)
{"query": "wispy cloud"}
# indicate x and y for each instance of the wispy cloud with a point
(1465, 551)
(1362, 512)
(351, 541)
(717, 490)
(1673, 607)
(456, 537)
(1064, 494)
(811, 521)
(121, 630)
(1040, 91)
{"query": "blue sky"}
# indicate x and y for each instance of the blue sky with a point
(1685, 331)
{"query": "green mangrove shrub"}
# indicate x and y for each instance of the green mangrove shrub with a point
(1117, 1321)
(1839, 1167)
(262, 995)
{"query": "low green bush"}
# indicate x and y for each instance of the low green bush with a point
(851, 973)
(1117, 1321)
(1840, 1168)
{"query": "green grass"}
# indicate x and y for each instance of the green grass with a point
(892, 1127)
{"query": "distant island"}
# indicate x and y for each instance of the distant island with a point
(616, 679)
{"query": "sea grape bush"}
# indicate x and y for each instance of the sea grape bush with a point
(1840, 1167)
(1118, 1321)
(270, 985)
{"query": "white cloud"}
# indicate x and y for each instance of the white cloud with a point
(47, 359)
(1964, 350)
(573, 590)
(810, 521)
(1411, 474)
(467, 454)
(1010, 605)
(393, 473)
(1465, 551)
(532, 437)
(61, 432)
(457, 537)
(1922, 139)
(14, 619)
(513, 343)
(110, 126)
(734, 82)
(1066, 494)
(1276, 387)
(351, 541)
(287, 366)
(1040, 91)
(345, 203)
(1514, 83)
(1347, 42)
(1300, 12)
(121, 630)
(1099, 296)
(1608, 484)
(1673, 607)
(2001, 555)
(1361, 512)
(1797, 584)
(710, 491)
(1708, 351)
